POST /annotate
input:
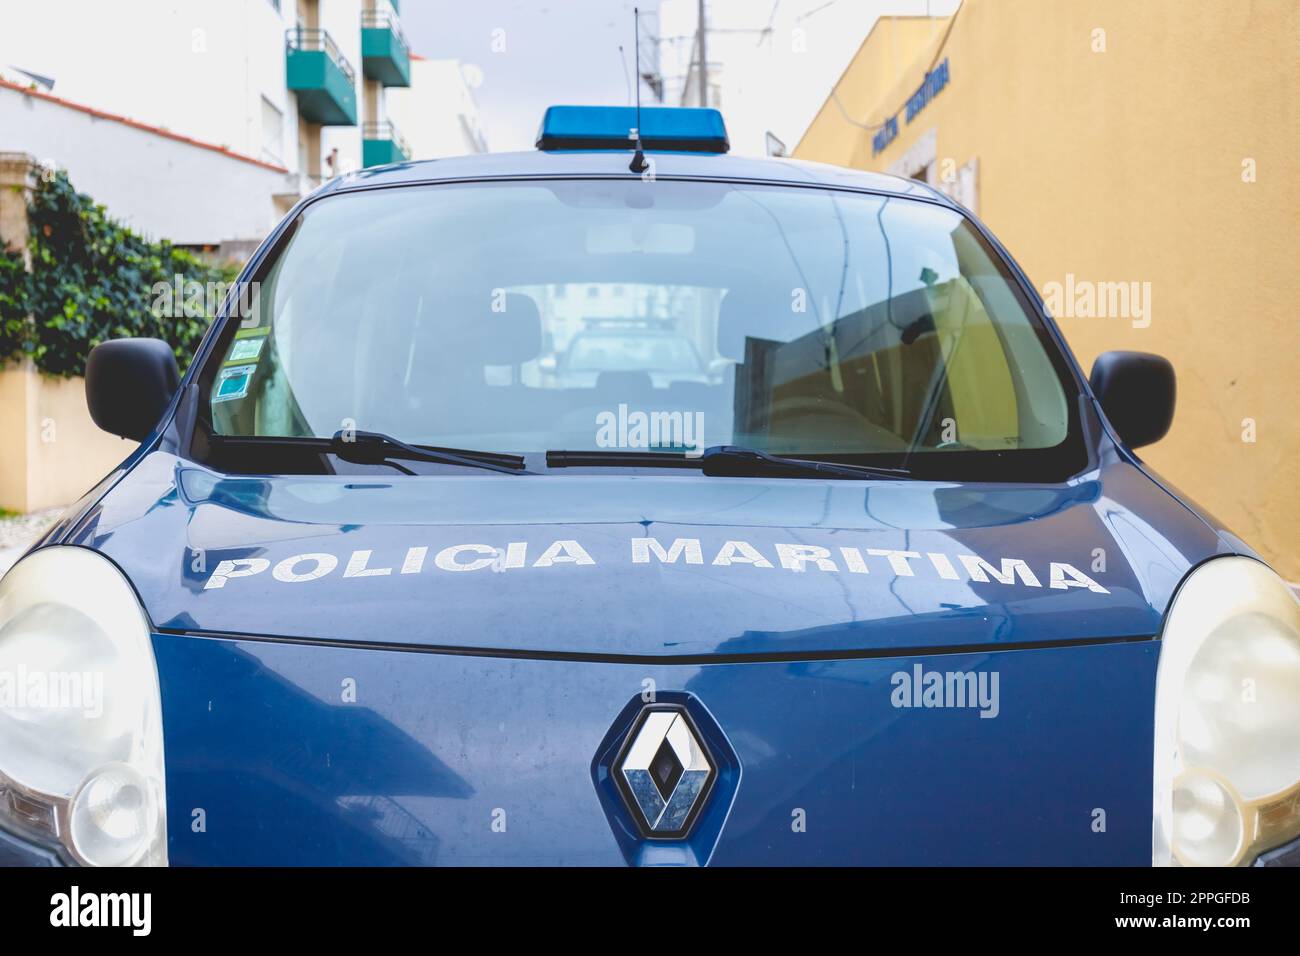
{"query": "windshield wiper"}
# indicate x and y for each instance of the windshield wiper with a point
(605, 458)
(734, 461)
(376, 448)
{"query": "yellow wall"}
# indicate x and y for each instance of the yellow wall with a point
(51, 453)
(888, 52)
(1127, 165)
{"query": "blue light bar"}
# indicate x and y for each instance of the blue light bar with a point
(686, 129)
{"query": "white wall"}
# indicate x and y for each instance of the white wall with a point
(160, 187)
(198, 67)
(202, 68)
(436, 114)
(341, 19)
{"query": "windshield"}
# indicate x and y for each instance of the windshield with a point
(630, 352)
(645, 316)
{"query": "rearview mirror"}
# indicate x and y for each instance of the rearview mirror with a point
(129, 384)
(1136, 391)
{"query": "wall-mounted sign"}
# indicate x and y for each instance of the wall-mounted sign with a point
(935, 80)
(885, 135)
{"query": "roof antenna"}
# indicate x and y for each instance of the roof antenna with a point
(639, 164)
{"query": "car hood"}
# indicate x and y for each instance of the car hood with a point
(585, 565)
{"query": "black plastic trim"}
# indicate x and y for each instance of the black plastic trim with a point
(762, 657)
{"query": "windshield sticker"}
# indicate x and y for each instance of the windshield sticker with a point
(885, 563)
(233, 383)
(245, 350)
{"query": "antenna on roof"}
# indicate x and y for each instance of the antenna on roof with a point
(639, 164)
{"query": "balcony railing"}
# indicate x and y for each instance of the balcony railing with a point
(384, 20)
(321, 76)
(385, 54)
(302, 38)
(381, 143)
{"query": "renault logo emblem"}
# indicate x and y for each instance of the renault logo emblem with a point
(664, 772)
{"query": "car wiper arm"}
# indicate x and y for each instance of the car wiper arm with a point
(735, 461)
(374, 448)
(606, 458)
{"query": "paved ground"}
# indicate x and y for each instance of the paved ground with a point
(18, 532)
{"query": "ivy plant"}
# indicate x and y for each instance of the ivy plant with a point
(94, 279)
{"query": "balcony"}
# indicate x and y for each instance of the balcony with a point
(381, 143)
(324, 81)
(384, 54)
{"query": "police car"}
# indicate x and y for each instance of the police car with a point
(834, 557)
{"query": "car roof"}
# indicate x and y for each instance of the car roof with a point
(615, 163)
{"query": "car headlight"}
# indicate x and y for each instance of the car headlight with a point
(1227, 722)
(81, 749)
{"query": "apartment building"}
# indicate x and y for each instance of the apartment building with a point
(437, 114)
(290, 92)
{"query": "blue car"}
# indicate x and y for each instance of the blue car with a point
(888, 585)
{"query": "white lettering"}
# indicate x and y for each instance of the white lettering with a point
(854, 561)
(325, 563)
(979, 570)
(1076, 579)
(236, 568)
(795, 556)
(942, 566)
(563, 552)
(642, 548)
(414, 562)
(446, 558)
(740, 552)
(357, 566)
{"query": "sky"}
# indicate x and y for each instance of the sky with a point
(529, 53)
(779, 58)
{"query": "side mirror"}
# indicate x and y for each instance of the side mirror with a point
(1136, 391)
(129, 384)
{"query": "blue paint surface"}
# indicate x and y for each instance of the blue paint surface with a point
(416, 769)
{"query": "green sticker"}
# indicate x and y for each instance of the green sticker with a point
(245, 350)
(233, 383)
